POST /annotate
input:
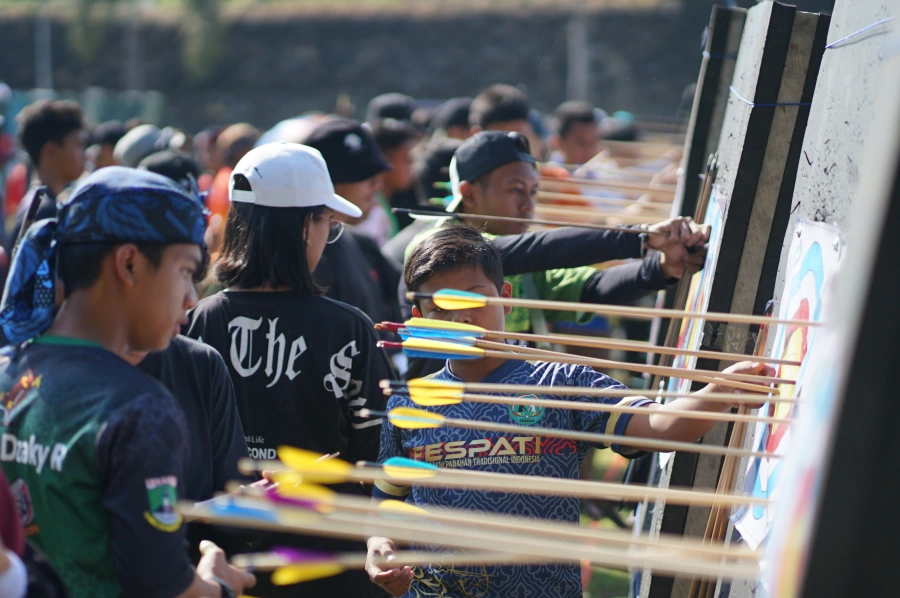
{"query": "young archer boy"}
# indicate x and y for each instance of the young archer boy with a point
(96, 450)
(460, 258)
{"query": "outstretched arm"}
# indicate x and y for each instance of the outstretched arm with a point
(657, 424)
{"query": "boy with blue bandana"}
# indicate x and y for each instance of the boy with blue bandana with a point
(95, 450)
(460, 258)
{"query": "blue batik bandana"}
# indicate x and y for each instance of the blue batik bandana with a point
(112, 205)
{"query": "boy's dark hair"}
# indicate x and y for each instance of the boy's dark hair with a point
(45, 121)
(264, 246)
(453, 246)
(570, 113)
(390, 133)
(498, 103)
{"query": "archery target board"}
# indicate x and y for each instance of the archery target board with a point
(812, 263)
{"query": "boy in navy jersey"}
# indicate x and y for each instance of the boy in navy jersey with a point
(459, 257)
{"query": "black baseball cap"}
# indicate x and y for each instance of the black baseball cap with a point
(394, 105)
(484, 152)
(174, 164)
(349, 150)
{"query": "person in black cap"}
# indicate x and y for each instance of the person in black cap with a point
(353, 269)
(390, 105)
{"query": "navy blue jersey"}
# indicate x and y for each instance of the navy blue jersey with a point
(522, 454)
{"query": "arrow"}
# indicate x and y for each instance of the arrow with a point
(435, 349)
(406, 471)
(438, 329)
(506, 523)
(454, 390)
(484, 218)
(251, 513)
(292, 566)
(453, 299)
(430, 398)
(415, 419)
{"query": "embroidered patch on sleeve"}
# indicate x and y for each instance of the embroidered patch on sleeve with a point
(162, 496)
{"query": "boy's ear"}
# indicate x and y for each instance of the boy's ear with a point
(467, 190)
(124, 259)
(506, 293)
(416, 312)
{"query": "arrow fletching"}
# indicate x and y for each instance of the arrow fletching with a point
(414, 419)
(330, 471)
(301, 572)
(401, 468)
(468, 329)
(434, 349)
(431, 396)
(453, 299)
(399, 510)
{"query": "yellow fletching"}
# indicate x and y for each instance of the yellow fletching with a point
(426, 344)
(398, 472)
(307, 463)
(401, 507)
(432, 396)
(311, 492)
(433, 400)
(409, 418)
(432, 384)
(442, 325)
(291, 574)
(461, 301)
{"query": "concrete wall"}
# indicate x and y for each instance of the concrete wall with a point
(277, 62)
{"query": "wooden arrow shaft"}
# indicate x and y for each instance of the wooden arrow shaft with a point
(644, 312)
(651, 369)
(605, 408)
(652, 444)
(502, 482)
(553, 529)
(538, 222)
(575, 340)
(353, 526)
(570, 391)
(636, 367)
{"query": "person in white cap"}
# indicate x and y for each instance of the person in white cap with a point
(302, 365)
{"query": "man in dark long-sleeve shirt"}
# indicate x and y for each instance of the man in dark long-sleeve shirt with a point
(494, 174)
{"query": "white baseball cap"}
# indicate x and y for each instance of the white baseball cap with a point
(288, 175)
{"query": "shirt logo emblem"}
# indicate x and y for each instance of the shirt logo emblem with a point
(526, 415)
(162, 496)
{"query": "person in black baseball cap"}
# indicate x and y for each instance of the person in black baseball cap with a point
(353, 268)
(493, 173)
(354, 160)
